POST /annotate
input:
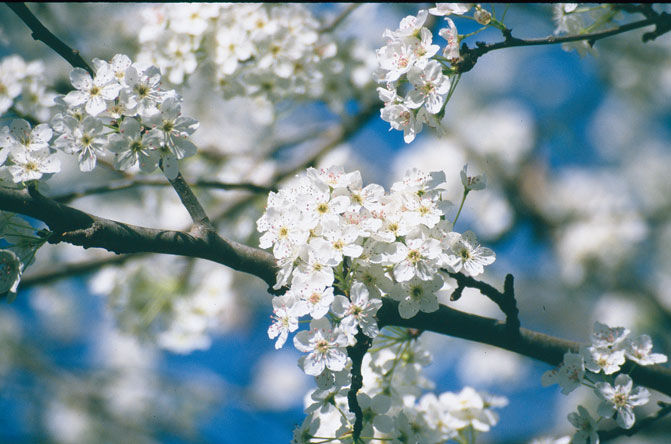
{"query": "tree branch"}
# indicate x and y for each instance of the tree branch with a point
(469, 56)
(83, 229)
(40, 32)
(60, 271)
(340, 18)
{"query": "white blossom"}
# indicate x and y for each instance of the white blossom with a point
(621, 399)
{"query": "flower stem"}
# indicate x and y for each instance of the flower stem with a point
(463, 199)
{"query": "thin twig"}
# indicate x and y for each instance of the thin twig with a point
(471, 55)
(191, 203)
(340, 18)
(40, 32)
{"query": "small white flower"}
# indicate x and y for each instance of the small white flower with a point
(132, 145)
(597, 359)
(416, 295)
(286, 311)
(31, 165)
(20, 136)
(401, 118)
(431, 86)
(442, 9)
(92, 92)
(451, 50)
(325, 346)
(568, 375)
(621, 400)
(175, 128)
(470, 183)
(465, 253)
(639, 350)
(587, 432)
(359, 312)
(605, 337)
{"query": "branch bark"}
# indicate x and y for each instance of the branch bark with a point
(79, 228)
(40, 32)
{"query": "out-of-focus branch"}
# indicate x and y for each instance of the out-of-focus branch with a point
(40, 32)
(340, 18)
(469, 56)
(135, 183)
(60, 271)
(79, 228)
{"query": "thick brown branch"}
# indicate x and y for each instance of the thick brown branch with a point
(40, 32)
(79, 228)
(529, 343)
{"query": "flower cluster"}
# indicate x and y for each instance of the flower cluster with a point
(25, 152)
(151, 300)
(392, 402)
(270, 50)
(342, 248)
(609, 349)
(23, 87)
(411, 59)
(123, 109)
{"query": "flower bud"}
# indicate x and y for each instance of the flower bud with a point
(481, 16)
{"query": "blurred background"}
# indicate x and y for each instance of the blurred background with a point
(150, 349)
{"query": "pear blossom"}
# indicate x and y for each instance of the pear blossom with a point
(451, 35)
(604, 336)
(325, 346)
(87, 140)
(442, 9)
(286, 311)
(587, 432)
(465, 253)
(358, 312)
(431, 86)
(620, 399)
(131, 146)
(175, 128)
(416, 295)
(639, 350)
(21, 136)
(32, 165)
(597, 359)
(569, 375)
(93, 92)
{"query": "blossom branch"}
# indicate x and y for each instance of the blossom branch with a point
(470, 56)
(490, 331)
(40, 32)
(134, 183)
